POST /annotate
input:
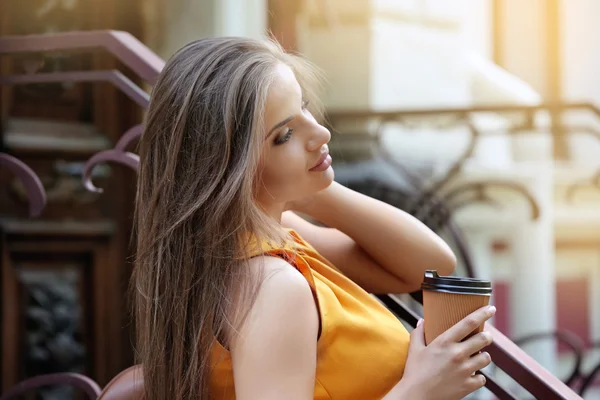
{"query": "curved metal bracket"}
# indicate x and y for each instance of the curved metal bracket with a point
(129, 136)
(126, 158)
(595, 181)
(33, 186)
(456, 167)
(479, 196)
(117, 155)
(480, 186)
(428, 195)
(485, 199)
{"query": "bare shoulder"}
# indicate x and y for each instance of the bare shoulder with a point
(274, 351)
(276, 271)
(284, 294)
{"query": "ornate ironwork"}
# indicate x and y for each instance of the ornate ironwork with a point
(62, 184)
(52, 321)
(118, 155)
(524, 115)
(480, 196)
(31, 182)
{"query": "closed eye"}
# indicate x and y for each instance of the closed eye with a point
(281, 139)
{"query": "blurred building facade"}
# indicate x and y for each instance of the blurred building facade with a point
(390, 55)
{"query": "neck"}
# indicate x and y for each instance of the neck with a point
(275, 210)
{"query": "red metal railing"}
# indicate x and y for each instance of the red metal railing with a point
(126, 48)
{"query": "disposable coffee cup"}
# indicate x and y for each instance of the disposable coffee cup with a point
(449, 299)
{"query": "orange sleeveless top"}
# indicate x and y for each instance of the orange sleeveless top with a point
(362, 347)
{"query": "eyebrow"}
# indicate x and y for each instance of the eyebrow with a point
(279, 125)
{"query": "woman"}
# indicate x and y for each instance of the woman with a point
(231, 300)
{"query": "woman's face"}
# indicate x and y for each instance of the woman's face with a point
(295, 160)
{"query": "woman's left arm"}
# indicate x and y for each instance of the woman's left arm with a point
(380, 247)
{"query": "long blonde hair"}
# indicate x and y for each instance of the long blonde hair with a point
(196, 208)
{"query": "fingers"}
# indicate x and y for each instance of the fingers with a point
(417, 336)
(467, 325)
(475, 343)
(475, 382)
(478, 361)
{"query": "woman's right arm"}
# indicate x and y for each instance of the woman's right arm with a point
(274, 352)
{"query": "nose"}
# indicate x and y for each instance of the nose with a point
(319, 137)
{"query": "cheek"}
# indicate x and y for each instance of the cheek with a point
(283, 173)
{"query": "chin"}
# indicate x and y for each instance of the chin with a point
(330, 174)
(327, 178)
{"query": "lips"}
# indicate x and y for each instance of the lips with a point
(323, 163)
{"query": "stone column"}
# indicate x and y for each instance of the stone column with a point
(524, 48)
(580, 63)
(480, 247)
(533, 297)
(580, 35)
(479, 241)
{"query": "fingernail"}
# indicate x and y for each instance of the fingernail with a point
(420, 322)
(491, 310)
